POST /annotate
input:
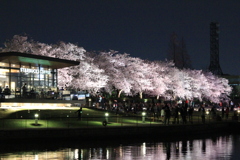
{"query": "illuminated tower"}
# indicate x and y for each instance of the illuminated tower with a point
(214, 66)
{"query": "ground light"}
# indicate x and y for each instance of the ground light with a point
(207, 112)
(143, 117)
(89, 102)
(106, 117)
(36, 119)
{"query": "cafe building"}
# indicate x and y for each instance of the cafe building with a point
(38, 73)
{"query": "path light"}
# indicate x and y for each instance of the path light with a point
(106, 117)
(143, 117)
(89, 102)
(207, 112)
(36, 119)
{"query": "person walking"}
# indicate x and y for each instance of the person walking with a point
(79, 112)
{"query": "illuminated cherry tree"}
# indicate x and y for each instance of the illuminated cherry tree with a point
(218, 88)
(159, 78)
(109, 71)
(115, 66)
(140, 76)
(89, 77)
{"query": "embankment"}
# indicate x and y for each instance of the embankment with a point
(108, 132)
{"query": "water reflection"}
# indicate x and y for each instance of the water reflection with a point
(219, 147)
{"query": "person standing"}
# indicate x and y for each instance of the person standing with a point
(103, 101)
(24, 90)
(175, 112)
(1, 94)
(227, 112)
(202, 113)
(223, 112)
(167, 114)
(232, 105)
(190, 114)
(7, 91)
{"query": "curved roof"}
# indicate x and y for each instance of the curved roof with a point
(35, 60)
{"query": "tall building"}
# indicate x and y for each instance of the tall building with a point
(214, 66)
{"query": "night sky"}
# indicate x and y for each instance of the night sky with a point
(141, 28)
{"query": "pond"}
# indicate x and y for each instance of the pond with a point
(206, 147)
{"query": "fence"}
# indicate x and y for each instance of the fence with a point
(110, 120)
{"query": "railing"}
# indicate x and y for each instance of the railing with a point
(111, 120)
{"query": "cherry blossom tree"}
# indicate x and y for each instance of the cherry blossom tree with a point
(116, 67)
(159, 78)
(140, 76)
(89, 77)
(218, 88)
(114, 71)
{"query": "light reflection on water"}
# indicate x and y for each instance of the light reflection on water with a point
(214, 148)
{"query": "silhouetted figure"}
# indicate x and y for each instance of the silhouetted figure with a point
(190, 114)
(227, 112)
(7, 91)
(176, 114)
(183, 111)
(79, 112)
(103, 101)
(223, 112)
(202, 113)
(232, 105)
(32, 93)
(24, 90)
(1, 94)
(167, 114)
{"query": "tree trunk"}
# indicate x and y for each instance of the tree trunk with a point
(140, 95)
(119, 93)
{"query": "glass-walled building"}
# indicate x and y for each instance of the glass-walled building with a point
(34, 71)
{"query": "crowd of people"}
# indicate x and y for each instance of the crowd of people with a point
(167, 112)
(25, 92)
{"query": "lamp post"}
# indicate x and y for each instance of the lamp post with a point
(106, 117)
(238, 113)
(143, 117)
(36, 119)
(89, 102)
(207, 112)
